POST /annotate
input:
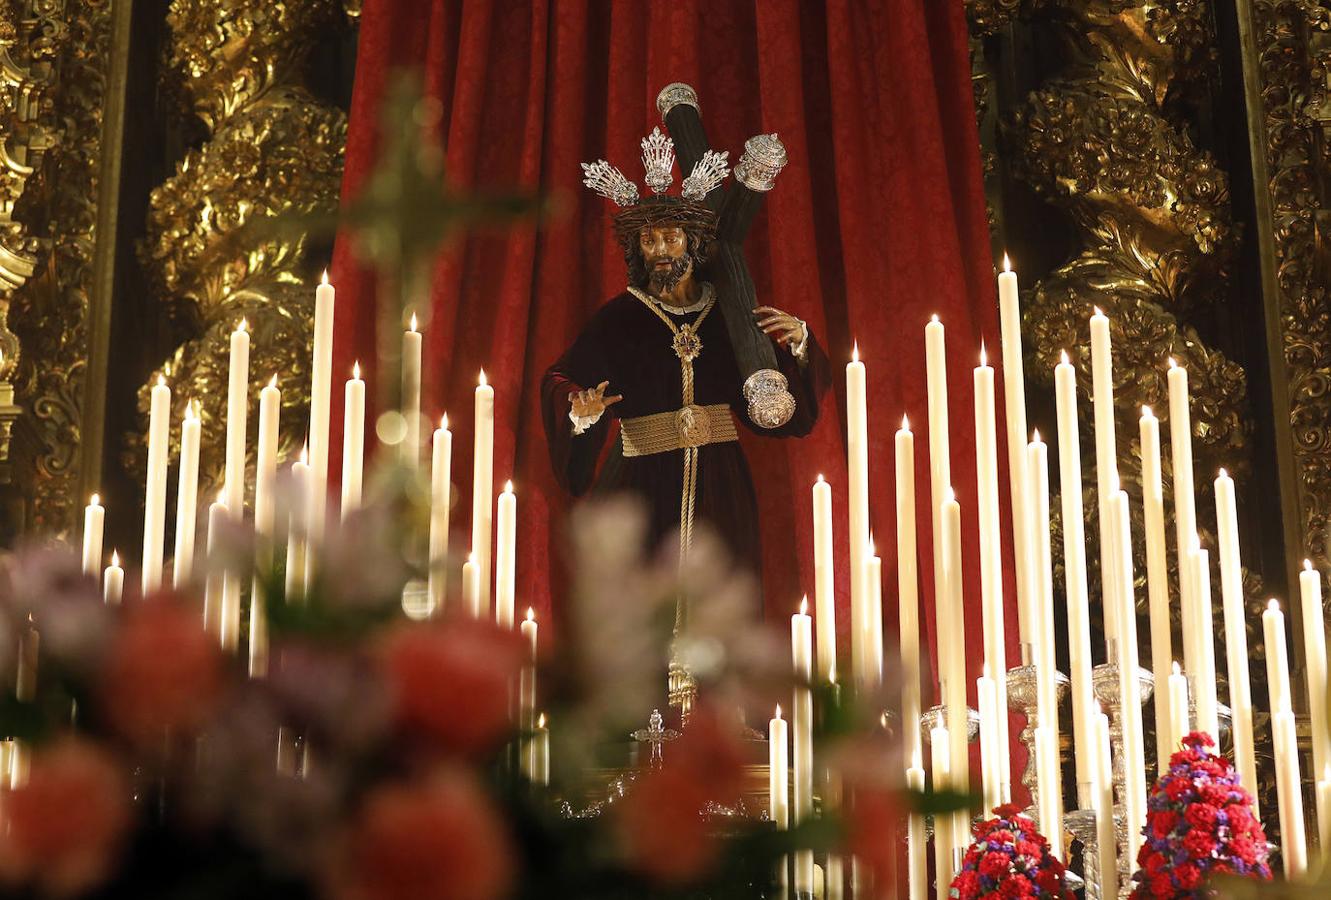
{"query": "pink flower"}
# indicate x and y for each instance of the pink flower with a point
(162, 671)
(437, 840)
(450, 681)
(65, 826)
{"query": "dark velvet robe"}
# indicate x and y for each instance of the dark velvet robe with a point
(629, 346)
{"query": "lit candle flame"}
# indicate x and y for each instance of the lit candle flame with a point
(1307, 565)
(1063, 357)
(244, 324)
(443, 422)
(115, 559)
(355, 371)
(804, 605)
(1146, 413)
(778, 706)
(531, 614)
(221, 497)
(984, 361)
(413, 323)
(471, 558)
(1007, 263)
(949, 495)
(1177, 669)
(820, 477)
(96, 500)
(272, 382)
(191, 413)
(1035, 435)
(1098, 311)
(481, 380)
(305, 454)
(1223, 473)
(934, 317)
(540, 721)
(161, 381)
(1273, 605)
(873, 550)
(324, 279)
(905, 422)
(508, 487)
(1172, 363)
(855, 352)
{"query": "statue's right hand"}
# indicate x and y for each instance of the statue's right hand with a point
(593, 401)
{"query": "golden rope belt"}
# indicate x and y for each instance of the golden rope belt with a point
(686, 428)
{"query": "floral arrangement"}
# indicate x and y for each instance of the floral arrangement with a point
(378, 758)
(1199, 823)
(1009, 858)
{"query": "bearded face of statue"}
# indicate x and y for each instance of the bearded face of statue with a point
(664, 257)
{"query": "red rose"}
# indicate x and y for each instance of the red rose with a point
(1016, 886)
(1163, 823)
(1244, 848)
(1177, 789)
(1199, 815)
(1161, 886)
(66, 824)
(966, 884)
(1199, 843)
(995, 864)
(437, 840)
(1188, 876)
(1030, 849)
(162, 672)
(450, 681)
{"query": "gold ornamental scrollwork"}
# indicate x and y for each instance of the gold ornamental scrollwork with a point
(54, 79)
(1294, 48)
(272, 148)
(1103, 142)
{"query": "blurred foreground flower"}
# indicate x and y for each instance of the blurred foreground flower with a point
(66, 825)
(441, 839)
(450, 681)
(162, 671)
(663, 821)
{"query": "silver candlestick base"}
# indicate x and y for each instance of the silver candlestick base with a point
(1104, 680)
(1023, 696)
(935, 716)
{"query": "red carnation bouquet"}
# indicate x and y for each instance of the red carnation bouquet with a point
(1009, 858)
(1199, 822)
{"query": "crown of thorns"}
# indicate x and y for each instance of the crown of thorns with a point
(658, 161)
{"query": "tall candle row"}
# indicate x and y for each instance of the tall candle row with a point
(308, 485)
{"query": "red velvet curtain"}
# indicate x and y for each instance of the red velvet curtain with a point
(877, 222)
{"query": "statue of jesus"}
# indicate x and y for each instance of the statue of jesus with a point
(659, 359)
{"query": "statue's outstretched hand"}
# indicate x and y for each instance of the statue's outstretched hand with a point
(593, 401)
(779, 325)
